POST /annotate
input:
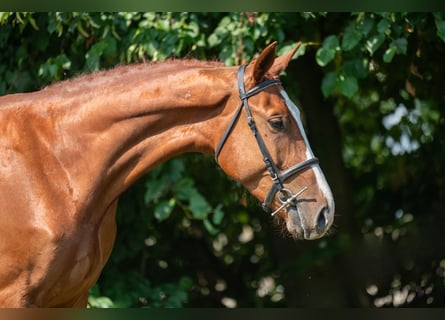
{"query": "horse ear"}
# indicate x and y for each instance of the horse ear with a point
(280, 63)
(264, 62)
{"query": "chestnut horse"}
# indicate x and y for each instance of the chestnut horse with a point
(68, 152)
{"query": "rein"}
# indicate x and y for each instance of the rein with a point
(287, 197)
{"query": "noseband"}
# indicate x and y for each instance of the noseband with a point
(287, 197)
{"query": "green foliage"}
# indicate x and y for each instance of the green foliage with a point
(168, 187)
(188, 236)
(327, 51)
(238, 35)
(362, 39)
(135, 291)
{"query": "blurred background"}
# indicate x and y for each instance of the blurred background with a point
(371, 89)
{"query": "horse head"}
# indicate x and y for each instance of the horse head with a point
(265, 148)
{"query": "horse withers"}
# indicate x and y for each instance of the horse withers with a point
(68, 152)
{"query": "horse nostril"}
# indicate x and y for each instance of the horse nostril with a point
(322, 220)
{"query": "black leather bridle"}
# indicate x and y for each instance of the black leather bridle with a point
(287, 197)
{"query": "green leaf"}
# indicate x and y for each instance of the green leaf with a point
(110, 46)
(199, 206)
(155, 188)
(63, 62)
(33, 22)
(351, 39)
(164, 208)
(326, 53)
(374, 43)
(100, 302)
(331, 42)
(213, 40)
(209, 227)
(4, 16)
(300, 51)
(347, 85)
(185, 189)
(94, 54)
(397, 46)
(383, 25)
(174, 170)
(324, 56)
(53, 68)
(192, 29)
(365, 25)
(357, 68)
(389, 54)
(441, 29)
(218, 215)
(225, 22)
(328, 83)
(401, 45)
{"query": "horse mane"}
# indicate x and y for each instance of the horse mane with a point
(134, 68)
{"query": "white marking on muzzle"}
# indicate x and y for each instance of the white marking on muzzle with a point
(319, 176)
(325, 190)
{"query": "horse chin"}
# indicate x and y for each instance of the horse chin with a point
(294, 224)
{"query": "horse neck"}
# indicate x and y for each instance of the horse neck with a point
(123, 123)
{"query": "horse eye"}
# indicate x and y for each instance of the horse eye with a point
(277, 124)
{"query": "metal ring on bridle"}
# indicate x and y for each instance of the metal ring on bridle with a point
(284, 195)
(289, 200)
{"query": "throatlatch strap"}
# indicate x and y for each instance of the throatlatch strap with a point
(227, 132)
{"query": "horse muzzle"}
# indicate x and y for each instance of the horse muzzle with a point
(308, 226)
